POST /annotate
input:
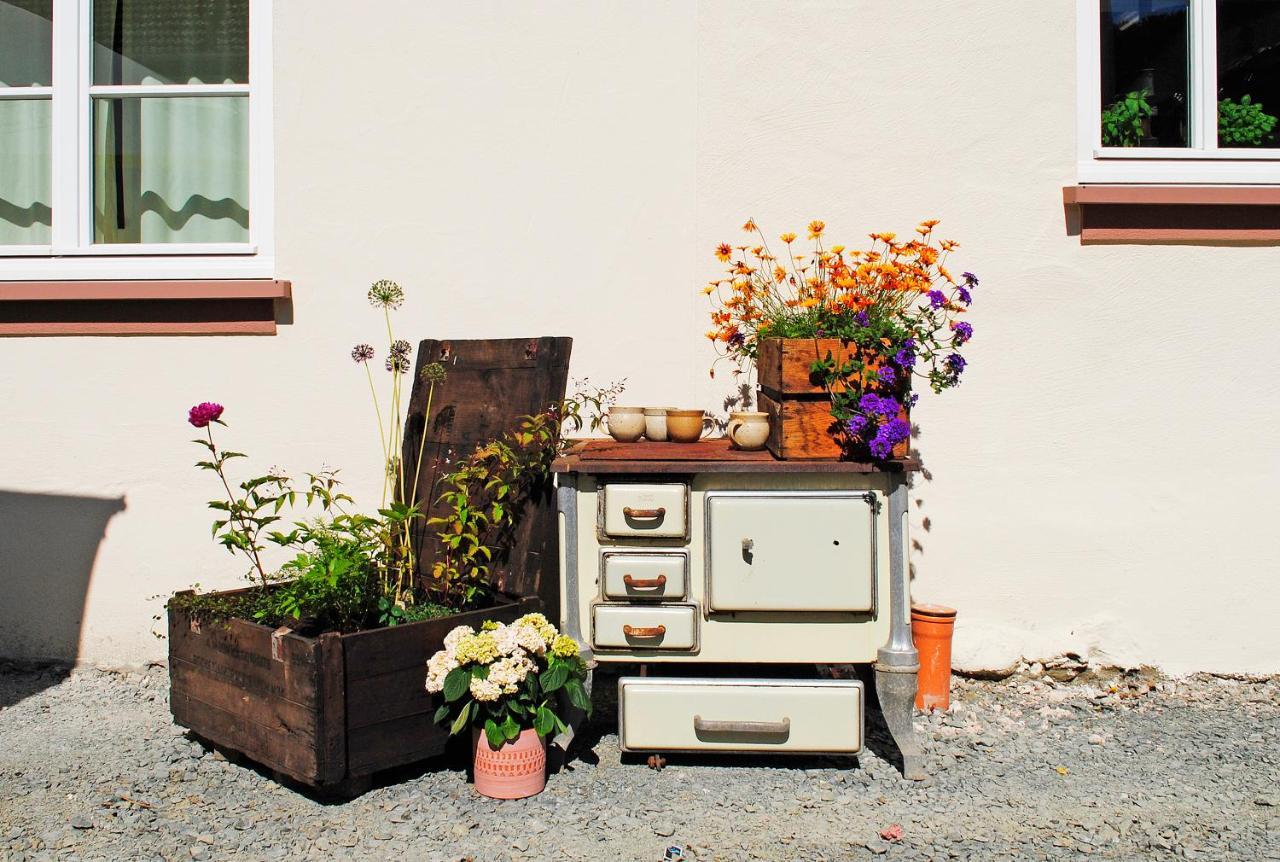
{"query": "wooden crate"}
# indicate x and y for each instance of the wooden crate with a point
(799, 407)
(328, 711)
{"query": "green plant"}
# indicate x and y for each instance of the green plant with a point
(1243, 123)
(1123, 119)
(485, 494)
(506, 679)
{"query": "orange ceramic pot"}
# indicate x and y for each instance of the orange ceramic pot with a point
(931, 628)
(514, 771)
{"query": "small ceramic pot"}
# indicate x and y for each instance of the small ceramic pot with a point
(514, 771)
(625, 424)
(684, 426)
(655, 424)
(748, 431)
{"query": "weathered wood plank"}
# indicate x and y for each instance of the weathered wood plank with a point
(784, 363)
(263, 708)
(331, 711)
(804, 430)
(490, 384)
(394, 743)
(293, 755)
(240, 652)
(706, 449)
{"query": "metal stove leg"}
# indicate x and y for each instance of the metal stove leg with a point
(567, 503)
(898, 662)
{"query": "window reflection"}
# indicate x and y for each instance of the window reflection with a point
(1248, 73)
(1144, 73)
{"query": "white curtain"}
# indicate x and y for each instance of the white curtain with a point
(171, 169)
(26, 42)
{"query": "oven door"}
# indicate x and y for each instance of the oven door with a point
(791, 550)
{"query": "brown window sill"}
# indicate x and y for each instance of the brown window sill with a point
(214, 307)
(1204, 215)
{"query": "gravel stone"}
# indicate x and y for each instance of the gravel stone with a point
(92, 768)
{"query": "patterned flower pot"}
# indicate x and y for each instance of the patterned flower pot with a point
(514, 771)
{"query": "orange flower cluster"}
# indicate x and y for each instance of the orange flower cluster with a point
(762, 290)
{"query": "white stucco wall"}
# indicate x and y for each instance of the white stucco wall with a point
(1102, 483)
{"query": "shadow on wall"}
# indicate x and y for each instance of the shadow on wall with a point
(48, 544)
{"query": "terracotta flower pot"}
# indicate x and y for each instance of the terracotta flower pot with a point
(514, 771)
(931, 629)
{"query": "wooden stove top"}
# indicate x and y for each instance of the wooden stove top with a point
(709, 455)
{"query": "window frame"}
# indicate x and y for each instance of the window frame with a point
(71, 253)
(1201, 163)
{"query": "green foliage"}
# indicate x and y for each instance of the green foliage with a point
(485, 495)
(1123, 120)
(1244, 123)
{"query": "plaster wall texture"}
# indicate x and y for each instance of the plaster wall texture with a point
(1102, 483)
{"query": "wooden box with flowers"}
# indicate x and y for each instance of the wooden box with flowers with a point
(838, 336)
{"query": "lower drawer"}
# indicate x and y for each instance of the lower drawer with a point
(812, 716)
(644, 627)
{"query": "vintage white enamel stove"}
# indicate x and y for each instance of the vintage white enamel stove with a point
(675, 557)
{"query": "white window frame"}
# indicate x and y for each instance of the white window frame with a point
(72, 254)
(1201, 163)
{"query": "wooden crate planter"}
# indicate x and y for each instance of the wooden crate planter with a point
(328, 711)
(801, 427)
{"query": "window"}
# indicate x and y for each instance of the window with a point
(136, 139)
(1179, 91)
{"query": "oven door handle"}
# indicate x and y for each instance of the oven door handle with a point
(703, 725)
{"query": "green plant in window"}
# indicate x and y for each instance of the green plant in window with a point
(1123, 120)
(1243, 123)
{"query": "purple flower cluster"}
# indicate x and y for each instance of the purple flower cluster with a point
(202, 414)
(906, 355)
(888, 435)
(963, 332)
(937, 299)
(861, 318)
(955, 364)
(887, 375)
(875, 405)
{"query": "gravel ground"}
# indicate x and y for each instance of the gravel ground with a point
(1027, 768)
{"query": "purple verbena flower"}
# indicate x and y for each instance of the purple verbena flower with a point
(887, 375)
(856, 424)
(905, 358)
(955, 364)
(875, 405)
(880, 447)
(737, 339)
(912, 399)
(963, 332)
(937, 299)
(965, 296)
(861, 318)
(896, 430)
(969, 279)
(203, 413)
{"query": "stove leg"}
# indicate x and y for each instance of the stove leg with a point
(567, 504)
(896, 691)
(899, 662)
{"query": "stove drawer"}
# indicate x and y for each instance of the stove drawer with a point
(638, 576)
(803, 716)
(644, 511)
(790, 551)
(644, 627)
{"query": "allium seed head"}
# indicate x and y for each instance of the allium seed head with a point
(362, 352)
(433, 372)
(386, 294)
(400, 347)
(397, 364)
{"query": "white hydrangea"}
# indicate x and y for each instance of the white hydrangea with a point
(485, 689)
(438, 668)
(506, 638)
(509, 672)
(452, 638)
(529, 638)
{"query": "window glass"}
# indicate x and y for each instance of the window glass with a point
(170, 41)
(25, 178)
(1248, 73)
(1144, 73)
(171, 169)
(26, 43)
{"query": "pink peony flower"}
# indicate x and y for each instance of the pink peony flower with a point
(202, 414)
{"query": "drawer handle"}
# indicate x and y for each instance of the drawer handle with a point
(703, 725)
(629, 512)
(644, 632)
(644, 583)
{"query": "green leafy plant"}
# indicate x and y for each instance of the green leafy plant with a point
(1244, 123)
(1123, 120)
(484, 495)
(507, 679)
